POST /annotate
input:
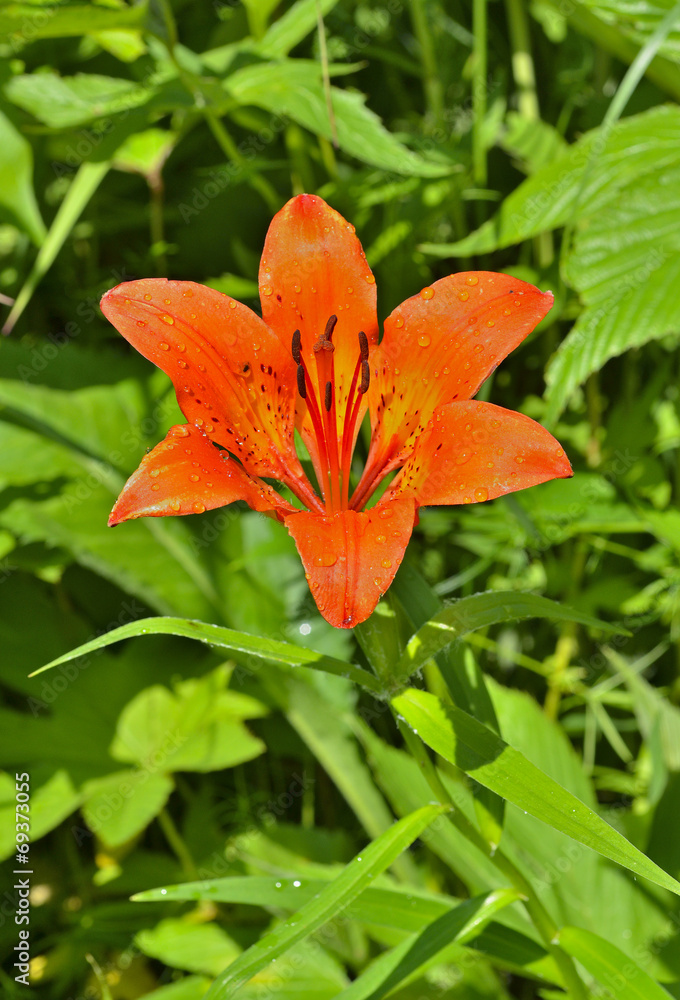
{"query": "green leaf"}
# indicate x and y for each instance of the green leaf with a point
(611, 967)
(51, 803)
(189, 988)
(463, 741)
(70, 101)
(26, 21)
(330, 902)
(83, 186)
(294, 89)
(471, 613)
(182, 944)
(248, 649)
(198, 728)
(292, 27)
(402, 962)
(122, 804)
(16, 181)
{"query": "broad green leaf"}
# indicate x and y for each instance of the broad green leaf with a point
(479, 611)
(70, 101)
(16, 181)
(196, 728)
(118, 807)
(188, 988)
(145, 152)
(26, 22)
(403, 961)
(184, 944)
(292, 27)
(463, 741)
(294, 89)
(614, 969)
(84, 184)
(50, 803)
(329, 903)
(247, 649)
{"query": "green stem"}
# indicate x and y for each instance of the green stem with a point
(229, 147)
(432, 82)
(542, 920)
(479, 92)
(522, 60)
(323, 54)
(157, 190)
(174, 839)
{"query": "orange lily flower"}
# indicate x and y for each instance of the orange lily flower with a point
(313, 363)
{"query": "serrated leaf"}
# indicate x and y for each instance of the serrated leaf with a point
(463, 741)
(294, 88)
(67, 102)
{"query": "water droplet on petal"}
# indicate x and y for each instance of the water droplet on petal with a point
(386, 513)
(399, 322)
(349, 290)
(463, 296)
(424, 340)
(181, 348)
(267, 289)
(147, 297)
(175, 505)
(499, 451)
(154, 473)
(386, 563)
(506, 312)
(181, 432)
(481, 493)
(187, 293)
(559, 453)
(380, 539)
(182, 364)
(370, 279)
(141, 322)
(378, 583)
(326, 559)
(297, 288)
(519, 459)
(198, 507)
(490, 322)
(163, 346)
(472, 279)
(427, 293)
(194, 478)
(462, 457)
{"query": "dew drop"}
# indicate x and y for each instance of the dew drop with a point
(424, 340)
(462, 457)
(350, 290)
(490, 322)
(370, 278)
(518, 302)
(378, 581)
(266, 289)
(506, 312)
(478, 348)
(209, 429)
(427, 293)
(380, 539)
(194, 478)
(481, 493)
(209, 485)
(187, 293)
(466, 365)
(201, 368)
(163, 346)
(181, 432)
(182, 364)
(463, 296)
(350, 228)
(386, 564)
(559, 453)
(399, 322)
(386, 513)
(154, 473)
(519, 459)
(499, 451)
(297, 288)
(147, 297)
(326, 559)
(175, 505)
(489, 465)
(198, 507)
(141, 322)
(155, 486)
(167, 319)
(181, 348)
(232, 304)
(472, 279)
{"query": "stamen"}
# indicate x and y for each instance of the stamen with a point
(302, 389)
(365, 377)
(330, 326)
(363, 345)
(297, 342)
(328, 398)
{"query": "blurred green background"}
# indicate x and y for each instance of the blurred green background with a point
(158, 138)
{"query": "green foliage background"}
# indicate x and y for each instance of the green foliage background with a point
(158, 138)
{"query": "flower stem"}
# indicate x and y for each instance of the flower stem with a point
(522, 61)
(479, 26)
(432, 83)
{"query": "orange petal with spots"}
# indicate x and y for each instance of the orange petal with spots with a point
(439, 346)
(187, 474)
(313, 267)
(232, 377)
(477, 451)
(351, 557)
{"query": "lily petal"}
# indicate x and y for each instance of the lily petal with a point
(351, 557)
(477, 451)
(312, 268)
(187, 474)
(439, 346)
(232, 377)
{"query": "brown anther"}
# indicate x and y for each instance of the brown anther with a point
(302, 388)
(297, 341)
(325, 341)
(328, 397)
(330, 326)
(363, 345)
(365, 377)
